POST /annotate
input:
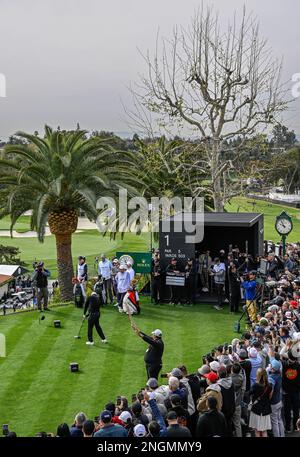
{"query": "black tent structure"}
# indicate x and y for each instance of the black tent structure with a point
(221, 231)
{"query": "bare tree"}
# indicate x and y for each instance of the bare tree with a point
(218, 83)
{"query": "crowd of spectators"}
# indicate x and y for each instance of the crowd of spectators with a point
(248, 387)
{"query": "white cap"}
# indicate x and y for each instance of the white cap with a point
(124, 416)
(157, 333)
(214, 365)
(122, 267)
(139, 430)
(253, 352)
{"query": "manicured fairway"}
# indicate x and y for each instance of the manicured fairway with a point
(37, 390)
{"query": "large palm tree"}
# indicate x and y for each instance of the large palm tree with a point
(55, 177)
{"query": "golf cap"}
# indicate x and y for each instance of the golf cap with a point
(152, 383)
(176, 372)
(172, 415)
(276, 365)
(125, 416)
(175, 399)
(139, 430)
(122, 267)
(253, 352)
(214, 365)
(204, 370)
(105, 416)
(157, 333)
(211, 376)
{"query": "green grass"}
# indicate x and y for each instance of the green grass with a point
(270, 211)
(22, 225)
(37, 389)
(89, 243)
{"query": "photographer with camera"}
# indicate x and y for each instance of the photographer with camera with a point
(249, 285)
(40, 278)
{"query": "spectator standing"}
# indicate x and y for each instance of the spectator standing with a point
(291, 389)
(239, 383)
(228, 397)
(40, 277)
(123, 284)
(130, 271)
(104, 269)
(234, 288)
(175, 430)
(256, 363)
(76, 429)
(275, 380)
(108, 429)
(260, 413)
(218, 272)
(211, 423)
(88, 429)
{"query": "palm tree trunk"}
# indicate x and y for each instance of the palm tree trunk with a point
(65, 265)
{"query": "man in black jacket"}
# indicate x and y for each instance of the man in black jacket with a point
(92, 306)
(175, 430)
(154, 353)
(211, 423)
(235, 289)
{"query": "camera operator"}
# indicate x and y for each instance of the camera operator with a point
(249, 286)
(40, 277)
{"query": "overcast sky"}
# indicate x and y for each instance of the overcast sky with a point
(69, 61)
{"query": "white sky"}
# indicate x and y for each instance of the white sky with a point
(69, 61)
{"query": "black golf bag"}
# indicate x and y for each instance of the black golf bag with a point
(78, 296)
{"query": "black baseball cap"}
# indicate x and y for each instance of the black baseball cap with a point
(172, 415)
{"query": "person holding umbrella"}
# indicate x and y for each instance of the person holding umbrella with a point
(154, 353)
(92, 306)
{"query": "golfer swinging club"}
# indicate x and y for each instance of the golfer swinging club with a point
(92, 306)
(154, 353)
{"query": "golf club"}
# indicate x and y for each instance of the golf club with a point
(78, 335)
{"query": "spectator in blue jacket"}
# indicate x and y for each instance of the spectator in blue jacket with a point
(275, 380)
(108, 428)
(158, 419)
